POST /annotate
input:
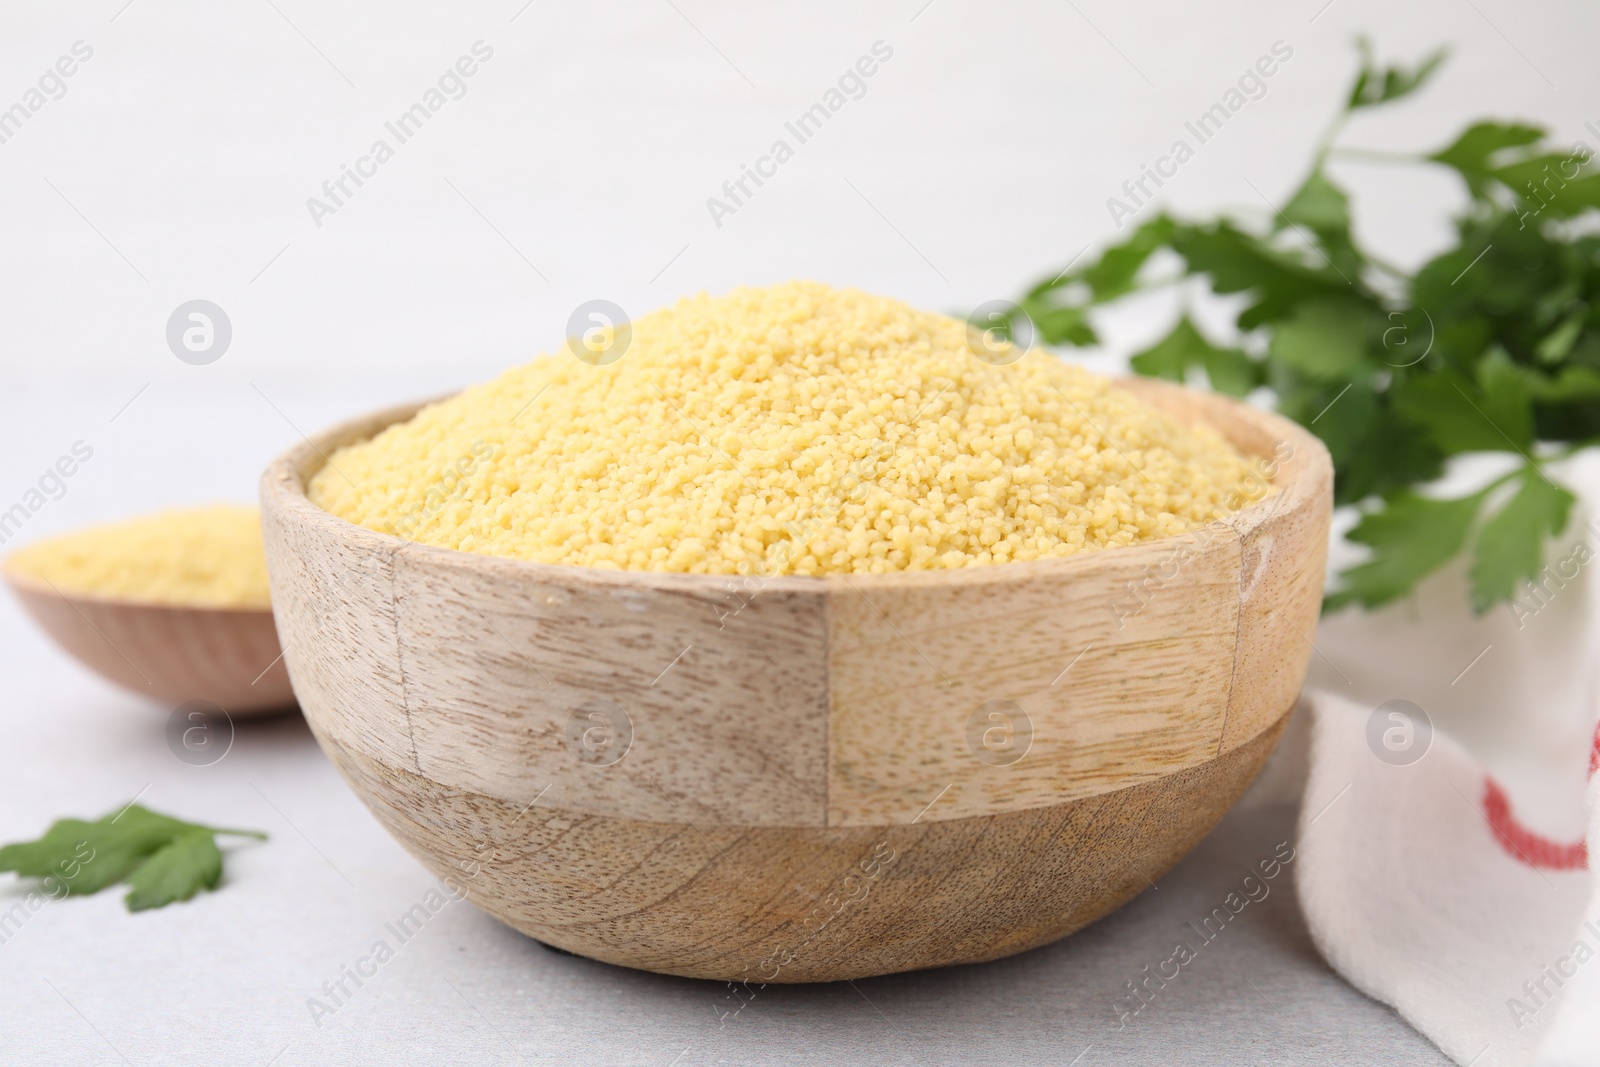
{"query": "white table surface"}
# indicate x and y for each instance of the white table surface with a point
(178, 165)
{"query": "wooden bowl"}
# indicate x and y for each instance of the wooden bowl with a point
(804, 779)
(171, 653)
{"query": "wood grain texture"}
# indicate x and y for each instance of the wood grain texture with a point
(334, 601)
(662, 714)
(1283, 554)
(717, 729)
(225, 656)
(790, 904)
(1000, 691)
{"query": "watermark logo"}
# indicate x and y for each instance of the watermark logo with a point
(999, 332)
(1251, 85)
(1398, 340)
(51, 485)
(599, 732)
(1542, 195)
(1538, 591)
(199, 332)
(54, 886)
(1538, 992)
(1141, 992)
(854, 886)
(999, 733)
(341, 989)
(50, 86)
(452, 483)
(1399, 732)
(598, 332)
(451, 85)
(851, 85)
(1257, 486)
(199, 733)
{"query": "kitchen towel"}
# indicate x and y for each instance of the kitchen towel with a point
(1425, 887)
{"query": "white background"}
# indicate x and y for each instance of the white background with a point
(178, 165)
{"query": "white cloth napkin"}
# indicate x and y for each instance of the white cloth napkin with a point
(1424, 888)
(1444, 849)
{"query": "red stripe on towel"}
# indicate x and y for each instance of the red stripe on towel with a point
(1522, 843)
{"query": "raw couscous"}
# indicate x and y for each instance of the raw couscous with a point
(794, 429)
(204, 556)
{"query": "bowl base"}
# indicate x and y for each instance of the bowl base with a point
(803, 904)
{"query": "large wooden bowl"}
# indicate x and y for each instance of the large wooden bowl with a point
(804, 779)
(172, 653)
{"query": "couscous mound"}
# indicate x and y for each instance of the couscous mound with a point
(795, 429)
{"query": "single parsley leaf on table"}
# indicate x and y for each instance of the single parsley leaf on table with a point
(163, 860)
(176, 871)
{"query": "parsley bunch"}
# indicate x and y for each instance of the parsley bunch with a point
(1491, 346)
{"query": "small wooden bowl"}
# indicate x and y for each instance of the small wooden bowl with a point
(804, 779)
(171, 653)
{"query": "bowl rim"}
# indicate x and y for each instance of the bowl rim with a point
(1298, 480)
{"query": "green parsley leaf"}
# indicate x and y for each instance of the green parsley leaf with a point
(1319, 205)
(1323, 209)
(1510, 546)
(1474, 153)
(1444, 406)
(1063, 325)
(1343, 414)
(1574, 383)
(1392, 454)
(163, 859)
(177, 871)
(1113, 273)
(1550, 186)
(1558, 342)
(1506, 401)
(1228, 370)
(1323, 339)
(1410, 536)
(1238, 262)
(1375, 85)
(1494, 414)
